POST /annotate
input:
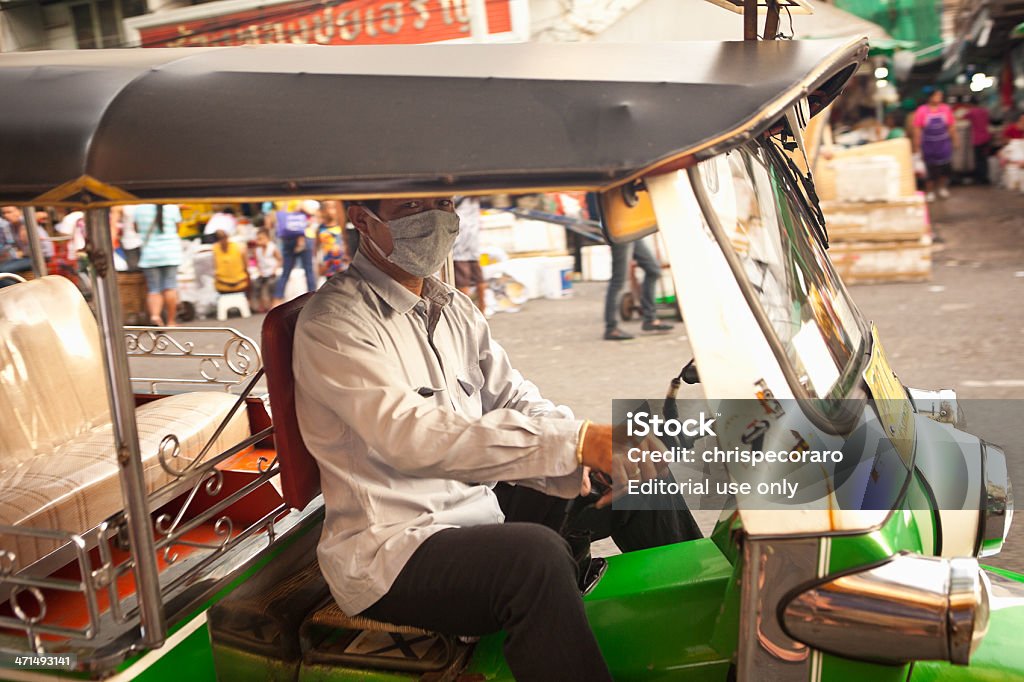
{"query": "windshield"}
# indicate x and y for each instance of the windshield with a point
(761, 211)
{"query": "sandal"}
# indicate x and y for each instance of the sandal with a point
(616, 334)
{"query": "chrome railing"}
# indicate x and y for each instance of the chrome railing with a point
(111, 618)
(221, 357)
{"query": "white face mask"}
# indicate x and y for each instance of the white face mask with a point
(421, 241)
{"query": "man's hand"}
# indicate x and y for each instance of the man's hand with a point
(598, 446)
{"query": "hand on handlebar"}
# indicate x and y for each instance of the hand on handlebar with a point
(607, 454)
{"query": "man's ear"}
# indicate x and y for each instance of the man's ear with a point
(357, 216)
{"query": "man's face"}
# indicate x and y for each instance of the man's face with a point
(43, 220)
(11, 214)
(392, 209)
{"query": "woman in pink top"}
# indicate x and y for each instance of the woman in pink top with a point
(934, 137)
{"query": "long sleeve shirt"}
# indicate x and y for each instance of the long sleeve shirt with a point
(410, 407)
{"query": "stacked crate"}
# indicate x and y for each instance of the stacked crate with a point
(877, 222)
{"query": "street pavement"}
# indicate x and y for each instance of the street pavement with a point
(961, 330)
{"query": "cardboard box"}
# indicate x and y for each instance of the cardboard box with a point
(898, 149)
(867, 178)
(896, 261)
(903, 219)
(597, 263)
(542, 276)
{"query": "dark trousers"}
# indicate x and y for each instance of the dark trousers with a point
(517, 577)
(981, 163)
(288, 245)
(16, 266)
(621, 256)
(662, 521)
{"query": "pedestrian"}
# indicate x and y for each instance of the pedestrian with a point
(160, 258)
(469, 276)
(15, 249)
(268, 260)
(292, 230)
(622, 256)
(330, 239)
(934, 137)
(13, 258)
(224, 219)
(1015, 129)
(894, 122)
(981, 139)
(230, 270)
(131, 242)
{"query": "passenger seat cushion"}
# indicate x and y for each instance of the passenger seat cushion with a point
(51, 369)
(78, 485)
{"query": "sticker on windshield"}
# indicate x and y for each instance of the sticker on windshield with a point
(894, 409)
(814, 356)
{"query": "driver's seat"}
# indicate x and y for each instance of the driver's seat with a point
(300, 483)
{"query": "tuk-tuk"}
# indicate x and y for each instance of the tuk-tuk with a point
(161, 535)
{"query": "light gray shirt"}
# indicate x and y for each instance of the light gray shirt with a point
(408, 405)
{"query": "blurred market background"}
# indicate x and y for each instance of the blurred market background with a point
(942, 276)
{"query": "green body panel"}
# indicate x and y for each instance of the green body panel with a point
(318, 673)
(195, 652)
(248, 666)
(653, 614)
(1000, 658)
(899, 533)
(192, 659)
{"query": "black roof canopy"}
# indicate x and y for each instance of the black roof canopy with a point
(112, 126)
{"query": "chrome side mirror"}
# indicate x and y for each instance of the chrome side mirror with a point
(940, 406)
(997, 514)
(910, 608)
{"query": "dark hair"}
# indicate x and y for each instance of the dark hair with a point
(372, 204)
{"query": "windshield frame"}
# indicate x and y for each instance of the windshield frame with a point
(832, 413)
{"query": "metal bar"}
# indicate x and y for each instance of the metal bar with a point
(28, 214)
(266, 521)
(172, 537)
(771, 20)
(126, 435)
(190, 382)
(175, 488)
(750, 19)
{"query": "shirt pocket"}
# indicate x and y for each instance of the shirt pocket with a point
(471, 381)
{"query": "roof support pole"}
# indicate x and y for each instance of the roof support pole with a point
(750, 19)
(28, 216)
(126, 434)
(771, 20)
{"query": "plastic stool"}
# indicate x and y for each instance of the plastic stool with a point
(226, 302)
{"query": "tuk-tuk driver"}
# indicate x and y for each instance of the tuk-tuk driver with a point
(408, 405)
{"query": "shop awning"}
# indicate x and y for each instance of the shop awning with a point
(665, 20)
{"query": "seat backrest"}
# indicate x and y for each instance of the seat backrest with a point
(52, 385)
(300, 476)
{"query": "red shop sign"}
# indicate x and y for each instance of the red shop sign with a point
(350, 22)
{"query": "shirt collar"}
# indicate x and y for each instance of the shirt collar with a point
(394, 294)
